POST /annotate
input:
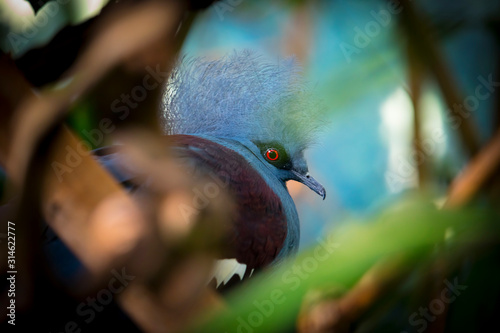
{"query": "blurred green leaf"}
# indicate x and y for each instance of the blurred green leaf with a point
(272, 301)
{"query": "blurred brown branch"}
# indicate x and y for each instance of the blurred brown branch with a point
(299, 35)
(337, 315)
(418, 34)
(475, 175)
(416, 76)
(126, 34)
(102, 224)
(13, 90)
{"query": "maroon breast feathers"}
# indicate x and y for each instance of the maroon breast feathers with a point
(259, 226)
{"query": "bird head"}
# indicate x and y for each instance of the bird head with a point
(287, 164)
(264, 106)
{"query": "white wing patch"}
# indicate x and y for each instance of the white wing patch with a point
(225, 269)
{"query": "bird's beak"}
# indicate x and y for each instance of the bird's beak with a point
(310, 182)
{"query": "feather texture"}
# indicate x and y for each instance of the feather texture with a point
(260, 224)
(241, 96)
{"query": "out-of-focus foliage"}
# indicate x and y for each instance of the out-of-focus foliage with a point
(354, 54)
(24, 27)
(423, 240)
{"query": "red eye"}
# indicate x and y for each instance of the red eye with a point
(272, 154)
